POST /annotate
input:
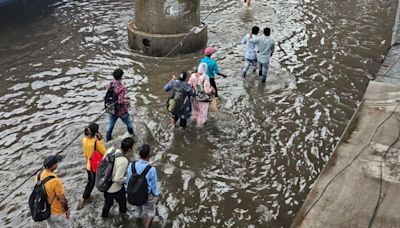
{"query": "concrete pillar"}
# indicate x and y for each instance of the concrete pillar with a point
(160, 24)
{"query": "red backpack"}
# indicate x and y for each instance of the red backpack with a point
(95, 159)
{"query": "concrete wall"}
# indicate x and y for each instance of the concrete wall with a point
(161, 44)
(166, 16)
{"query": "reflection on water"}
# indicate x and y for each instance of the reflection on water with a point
(254, 162)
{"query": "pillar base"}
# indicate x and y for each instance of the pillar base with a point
(159, 45)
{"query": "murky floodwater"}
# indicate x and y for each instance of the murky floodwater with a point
(255, 161)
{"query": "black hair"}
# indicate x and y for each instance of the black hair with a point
(255, 30)
(127, 144)
(91, 130)
(183, 76)
(267, 31)
(118, 74)
(144, 151)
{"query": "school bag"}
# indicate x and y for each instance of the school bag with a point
(105, 171)
(95, 159)
(137, 186)
(111, 100)
(38, 203)
(176, 100)
(201, 95)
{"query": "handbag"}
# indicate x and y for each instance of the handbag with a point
(95, 159)
(213, 107)
(201, 95)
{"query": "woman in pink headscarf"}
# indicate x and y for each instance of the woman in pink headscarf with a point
(200, 81)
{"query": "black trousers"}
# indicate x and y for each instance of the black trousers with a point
(90, 184)
(182, 122)
(109, 198)
(212, 82)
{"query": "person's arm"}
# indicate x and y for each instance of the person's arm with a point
(129, 172)
(59, 190)
(120, 172)
(215, 68)
(100, 145)
(244, 40)
(83, 149)
(168, 86)
(189, 90)
(153, 182)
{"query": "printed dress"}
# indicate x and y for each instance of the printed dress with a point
(199, 108)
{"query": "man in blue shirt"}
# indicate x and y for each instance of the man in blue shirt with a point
(212, 69)
(148, 210)
(250, 56)
(266, 46)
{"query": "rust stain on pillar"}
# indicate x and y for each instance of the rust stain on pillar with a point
(161, 24)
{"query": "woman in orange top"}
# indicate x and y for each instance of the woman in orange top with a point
(92, 136)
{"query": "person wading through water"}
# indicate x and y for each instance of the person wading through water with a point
(201, 84)
(59, 210)
(265, 46)
(117, 190)
(122, 105)
(91, 142)
(180, 99)
(212, 68)
(148, 210)
(250, 56)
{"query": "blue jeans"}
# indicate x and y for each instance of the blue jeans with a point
(247, 63)
(126, 118)
(264, 70)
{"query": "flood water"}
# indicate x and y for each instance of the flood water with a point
(253, 163)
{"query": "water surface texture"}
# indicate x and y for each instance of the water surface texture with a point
(253, 163)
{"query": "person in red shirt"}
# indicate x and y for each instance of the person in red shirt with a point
(123, 105)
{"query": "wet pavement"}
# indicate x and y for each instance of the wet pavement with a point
(254, 162)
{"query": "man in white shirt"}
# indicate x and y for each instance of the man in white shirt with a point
(265, 46)
(117, 190)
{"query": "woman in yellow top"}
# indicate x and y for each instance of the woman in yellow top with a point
(92, 136)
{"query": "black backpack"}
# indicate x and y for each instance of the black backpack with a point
(176, 100)
(137, 186)
(104, 173)
(111, 101)
(38, 203)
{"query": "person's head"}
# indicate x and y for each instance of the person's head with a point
(209, 51)
(255, 30)
(267, 31)
(202, 68)
(91, 130)
(51, 162)
(182, 76)
(144, 151)
(118, 74)
(127, 145)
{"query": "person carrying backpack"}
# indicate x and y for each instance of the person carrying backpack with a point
(93, 151)
(141, 167)
(179, 101)
(116, 95)
(56, 210)
(201, 84)
(117, 189)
